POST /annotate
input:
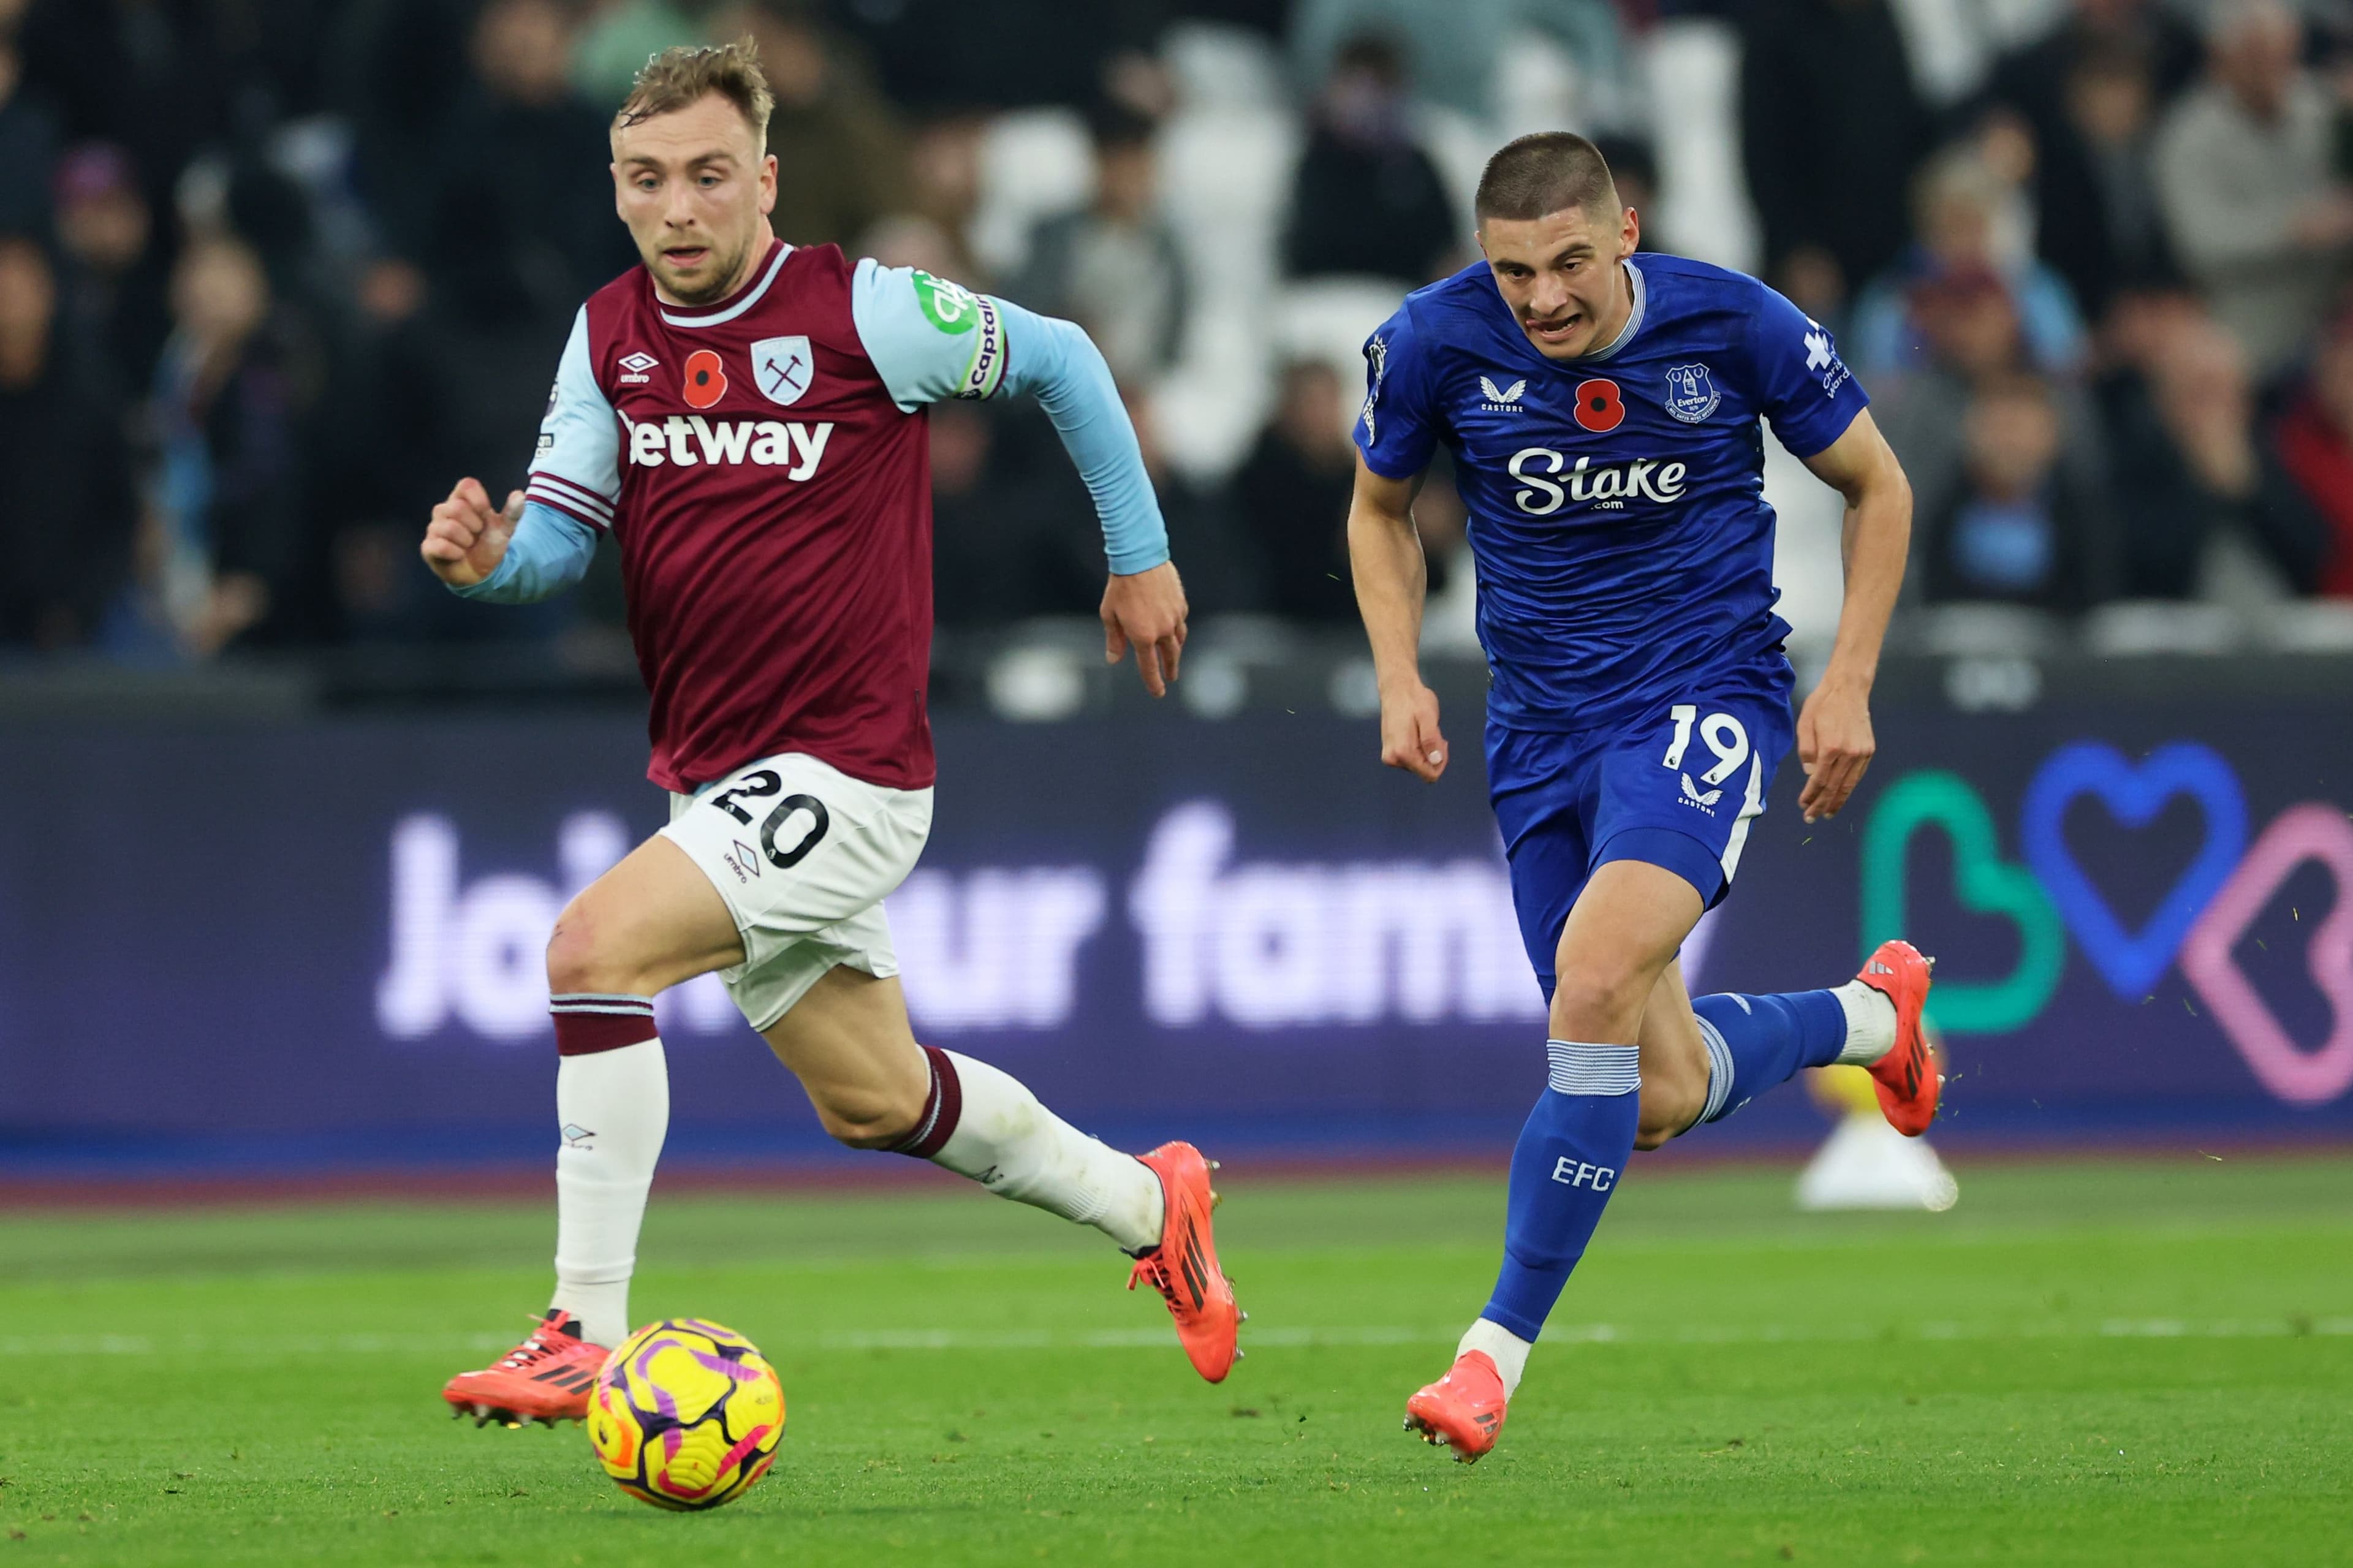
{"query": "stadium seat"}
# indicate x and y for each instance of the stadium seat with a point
(1225, 172)
(2319, 625)
(1695, 84)
(1033, 163)
(1983, 631)
(1328, 318)
(2137, 627)
(1223, 67)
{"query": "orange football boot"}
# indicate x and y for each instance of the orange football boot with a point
(1906, 1077)
(544, 1379)
(1464, 1410)
(1184, 1267)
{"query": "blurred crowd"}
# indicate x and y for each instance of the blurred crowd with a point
(274, 272)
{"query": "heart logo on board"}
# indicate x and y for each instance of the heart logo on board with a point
(2130, 962)
(2312, 831)
(1985, 883)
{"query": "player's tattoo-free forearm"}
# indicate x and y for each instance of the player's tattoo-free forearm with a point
(1874, 540)
(1391, 574)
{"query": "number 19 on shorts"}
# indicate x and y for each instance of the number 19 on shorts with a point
(1721, 732)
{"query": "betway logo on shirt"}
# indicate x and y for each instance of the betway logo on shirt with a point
(1608, 485)
(684, 440)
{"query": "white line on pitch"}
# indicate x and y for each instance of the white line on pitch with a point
(1270, 1336)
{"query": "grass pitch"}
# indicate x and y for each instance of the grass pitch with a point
(2144, 1362)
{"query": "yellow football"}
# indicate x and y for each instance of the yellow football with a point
(686, 1415)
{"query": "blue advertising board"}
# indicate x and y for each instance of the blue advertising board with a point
(313, 944)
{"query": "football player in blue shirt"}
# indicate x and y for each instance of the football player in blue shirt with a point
(1602, 408)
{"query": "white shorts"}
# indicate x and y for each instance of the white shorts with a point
(803, 855)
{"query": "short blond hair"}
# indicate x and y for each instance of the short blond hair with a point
(684, 75)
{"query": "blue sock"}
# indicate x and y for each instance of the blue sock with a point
(1564, 1169)
(1756, 1042)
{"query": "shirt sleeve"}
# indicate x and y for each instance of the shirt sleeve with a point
(1396, 430)
(550, 551)
(1798, 380)
(1056, 362)
(929, 339)
(578, 469)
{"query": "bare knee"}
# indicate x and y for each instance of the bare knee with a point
(582, 956)
(866, 1116)
(1599, 1003)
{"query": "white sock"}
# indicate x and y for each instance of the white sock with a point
(1869, 1023)
(1505, 1348)
(1014, 1146)
(613, 1108)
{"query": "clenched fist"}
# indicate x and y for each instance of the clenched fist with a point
(467, 539)
(1409, 737)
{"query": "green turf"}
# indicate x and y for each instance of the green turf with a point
(2143, 1362)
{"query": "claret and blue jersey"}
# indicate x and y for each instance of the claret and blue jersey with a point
(1624, 548)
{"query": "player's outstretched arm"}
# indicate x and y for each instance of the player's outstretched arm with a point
(521, 552)
(1144, 605)
(1834, 739)
(1392, 579)
(930, 339)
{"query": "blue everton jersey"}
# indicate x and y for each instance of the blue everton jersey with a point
(1618, 518)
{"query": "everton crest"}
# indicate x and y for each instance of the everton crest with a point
(783, 368)
(1690, 393)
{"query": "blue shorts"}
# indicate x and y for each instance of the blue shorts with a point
(1677, 789)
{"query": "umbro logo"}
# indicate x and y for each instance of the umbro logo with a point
(634, 368)
(576, 1136)
(1503, 399)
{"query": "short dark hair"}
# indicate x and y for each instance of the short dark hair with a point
(1548, 172)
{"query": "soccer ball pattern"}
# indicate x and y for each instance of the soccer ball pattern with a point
(686, 1415)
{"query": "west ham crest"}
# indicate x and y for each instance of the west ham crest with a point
(1691, 395)
(783, 368)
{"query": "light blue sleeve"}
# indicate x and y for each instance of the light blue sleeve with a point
(549, 553)
(931, 340)
(578, 469)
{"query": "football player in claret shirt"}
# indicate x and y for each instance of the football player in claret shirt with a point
(1602, 406)
(746, 419)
